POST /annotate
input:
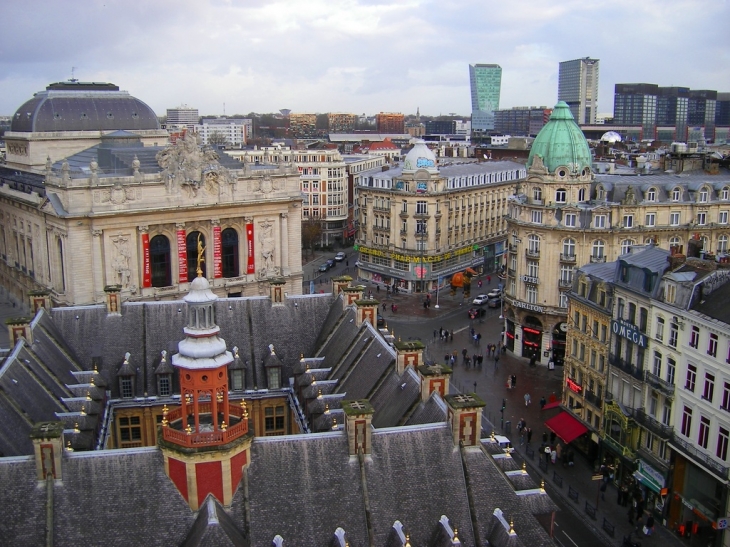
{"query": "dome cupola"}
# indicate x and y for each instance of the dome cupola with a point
(420, 157)
(560, 147)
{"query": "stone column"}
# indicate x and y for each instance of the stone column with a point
(97, 262)
(285, 269)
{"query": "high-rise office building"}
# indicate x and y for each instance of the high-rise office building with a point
(183, 116)
(578, 86)
(390, 122)
(485, 81)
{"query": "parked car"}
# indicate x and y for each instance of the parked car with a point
(475, 313)
(495, 302)
(480, 300)
(324, 267)
(330, 263)
(381, 321)
(494, 293)
(339, 257)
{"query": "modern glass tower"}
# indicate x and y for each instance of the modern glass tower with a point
(486, 82)
(578, 86)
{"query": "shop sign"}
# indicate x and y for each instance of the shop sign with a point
(526, 306)
(530, 279)
(629, 331)
(651, 475)
(574, 386)
(721, 524)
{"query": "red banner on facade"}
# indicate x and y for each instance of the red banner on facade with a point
(251, 268)
(217, 269)
(182, 257)
(146, 270)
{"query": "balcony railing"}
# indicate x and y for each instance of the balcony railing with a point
(513, 248)
(625, 366)
(565, 283)
(618, 447)
(181, 437)
(511, 272)
(646, 454)
(662, 385)
(694, 453)
(595, 259)
(532, 253)
(567, 258)
(655, 426)
(594, 399)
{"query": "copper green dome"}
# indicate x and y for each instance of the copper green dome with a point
(561, 143)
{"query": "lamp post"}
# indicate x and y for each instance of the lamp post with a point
(438, 283)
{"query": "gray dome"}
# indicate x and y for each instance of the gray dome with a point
(420, 157)
(83, 106)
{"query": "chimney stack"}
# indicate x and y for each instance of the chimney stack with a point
(48, 449)
(465, 417)
(408, 353)
(358, 425)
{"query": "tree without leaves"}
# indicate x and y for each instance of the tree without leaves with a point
(311, 233)
(218, 138)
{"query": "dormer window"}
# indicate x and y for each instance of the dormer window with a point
(273, 375)
(164, 385)
(651, 195)
(725, 193)
(704, 194)
(125, 376)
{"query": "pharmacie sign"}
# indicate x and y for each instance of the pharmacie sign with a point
(629, 331)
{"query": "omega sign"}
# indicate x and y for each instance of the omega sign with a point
(629, 331)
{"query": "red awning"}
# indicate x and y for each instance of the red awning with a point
(554, 404)
(566, 427)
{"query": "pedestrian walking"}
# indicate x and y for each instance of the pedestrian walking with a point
(496, 360)
(527, 399)
(441, 332)
(544, 437)
(553, 456)
(529, 435)
(463, 354)
(543, 402)
(533, 359)
(547, 452)
(489, 280)
(514, 380)
(451, 336)
(435, 333)
(383, 306)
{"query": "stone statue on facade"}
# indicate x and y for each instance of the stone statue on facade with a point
(186, 165)
(267, 249)
(120, 261)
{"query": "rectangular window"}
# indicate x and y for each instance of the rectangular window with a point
(599, 221)
(604, 333)
(712, 346)
(237, 379)
(694, 337)
(704, 431)
(628, 221)
(650, 219)
(671, 367)
(531, 294)
(125, 386)
(421, 208)
(708, 392)
(701, 219)
(674, 219)
(274, 420)
(657, 364)
(660, 328)
(687, 421)
(722, 217)
(537, 217)
(673, 334)
(130, 429)
(163, 385)
(726, 396)
(689, 383)
(723, 436)
(570, 220)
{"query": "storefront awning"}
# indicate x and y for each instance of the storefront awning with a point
(554, 404)
(566, 427)
(647, 481)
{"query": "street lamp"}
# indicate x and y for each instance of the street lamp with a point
(438, 283)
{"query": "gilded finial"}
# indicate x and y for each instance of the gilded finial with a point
(524, 467)
(493, 435)
(511, 526)
(69, 448)
(91, 381)
(88, 395)
(319, 393)
(83, 411)
(326, 408)
(223, 426)
(219, 397)
(201, 257)
(334, 423)
(189, 430)
(165, 410)
(456, 534)
(76, 428)
(408, 540)
(301, 357)
(542, 485)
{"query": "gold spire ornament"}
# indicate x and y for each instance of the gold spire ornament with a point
(201, 257)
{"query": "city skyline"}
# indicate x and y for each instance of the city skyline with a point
(357, 56)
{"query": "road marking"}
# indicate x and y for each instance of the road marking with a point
(571, 539)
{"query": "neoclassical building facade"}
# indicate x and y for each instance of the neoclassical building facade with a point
(564, 215)
(122, 213)
(421, 222)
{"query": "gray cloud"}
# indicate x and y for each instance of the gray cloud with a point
(355, 55)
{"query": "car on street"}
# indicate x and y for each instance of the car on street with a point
(331, 263)
(339, 257)
(495, 302)
(381, 321)
(480, 300)
(475, 313)
(494, 293)
(324, 267)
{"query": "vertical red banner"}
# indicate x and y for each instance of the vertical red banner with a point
(251, 268)
(146, 270)
(217, 269)
(182, 257)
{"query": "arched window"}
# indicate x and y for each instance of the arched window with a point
(599, 249)
(651, 194)
(626, 245)
(705, 243)
(675, 241)
(229, 252)
(722, 244)
(582, 194)
(569, 247)
(676, 194)
(160, 261)
(191, 243)
(561, 196)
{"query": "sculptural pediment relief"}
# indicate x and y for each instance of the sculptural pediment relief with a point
(193, 168)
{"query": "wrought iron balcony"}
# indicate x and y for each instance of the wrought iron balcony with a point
(655, 426)
(532, 253)
(625, 366)
(513, 248)
(595, 259)
(567, 258)
(618, 447)
(594, 399)
(646, 454)
(565, 283)
(689, 449)
(511, 272)
(662, 385)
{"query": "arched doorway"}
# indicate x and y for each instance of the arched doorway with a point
(191, 243)
(160, 261)
(532, 337)
(558, 343)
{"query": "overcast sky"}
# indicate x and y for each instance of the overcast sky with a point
(362, 56)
